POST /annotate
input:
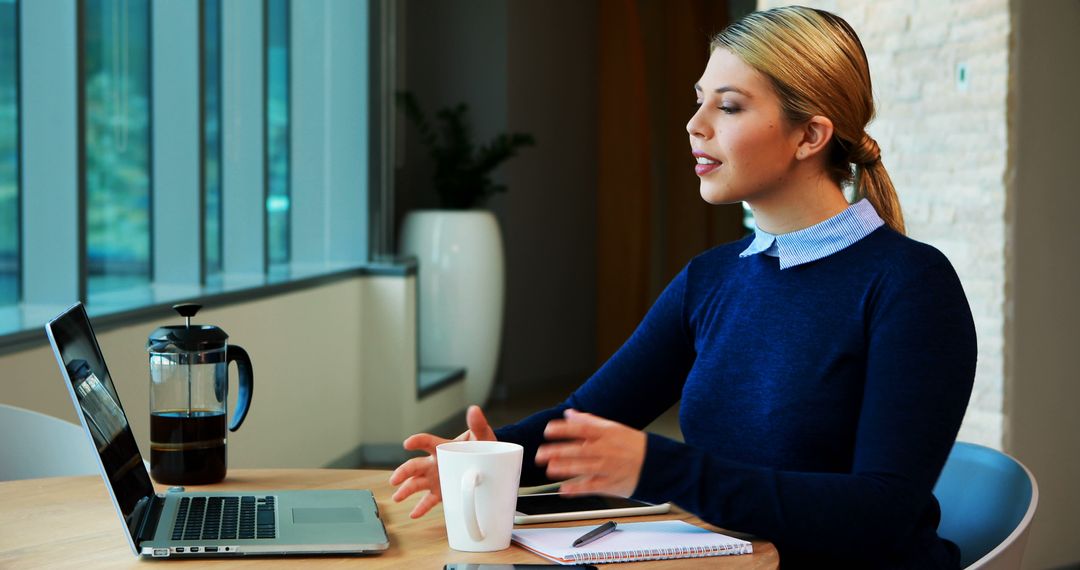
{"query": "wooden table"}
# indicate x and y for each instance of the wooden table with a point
(69, 522)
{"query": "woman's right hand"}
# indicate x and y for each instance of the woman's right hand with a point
(422, 473)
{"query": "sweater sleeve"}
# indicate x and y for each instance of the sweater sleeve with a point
(919, 373)
(641, 381)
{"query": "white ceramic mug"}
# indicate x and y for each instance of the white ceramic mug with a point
(479, 481)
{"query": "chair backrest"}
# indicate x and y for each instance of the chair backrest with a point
(36, 445)
(987, 502)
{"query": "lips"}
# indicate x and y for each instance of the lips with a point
(705, 163)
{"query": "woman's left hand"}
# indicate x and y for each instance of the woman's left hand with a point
(597, 455)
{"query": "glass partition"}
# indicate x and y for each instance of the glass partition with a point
(277, 136)
(116, 123)
(9, 153)
(212, 204)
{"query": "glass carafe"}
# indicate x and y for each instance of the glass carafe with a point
(189, 389)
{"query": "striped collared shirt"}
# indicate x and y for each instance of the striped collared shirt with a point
(817, 241)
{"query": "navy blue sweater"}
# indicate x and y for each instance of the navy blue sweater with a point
(819, 403)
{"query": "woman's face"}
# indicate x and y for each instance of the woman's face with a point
(743, 145)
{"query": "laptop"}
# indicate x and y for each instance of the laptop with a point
(190, 524)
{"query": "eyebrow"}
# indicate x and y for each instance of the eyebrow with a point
(725, 89)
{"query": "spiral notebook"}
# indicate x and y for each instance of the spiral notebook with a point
(630, 542)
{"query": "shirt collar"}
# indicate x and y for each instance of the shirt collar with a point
(820, 240)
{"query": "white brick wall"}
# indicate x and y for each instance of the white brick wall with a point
(945, 149)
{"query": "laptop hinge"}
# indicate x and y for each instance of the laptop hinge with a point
(148, 522)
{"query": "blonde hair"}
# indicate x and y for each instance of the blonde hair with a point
(818, 67)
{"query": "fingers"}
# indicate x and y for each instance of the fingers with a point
(565, 460)
(584, 485)
(425, 505)
(564, 450)
(578, 415)
(478, 424)
(577, 425)
(567, 468)
(420, 473)
(413, 485)
(595, 454)
(411, 468)
(423, 442)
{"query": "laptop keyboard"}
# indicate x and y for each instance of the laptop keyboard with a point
(225, 518)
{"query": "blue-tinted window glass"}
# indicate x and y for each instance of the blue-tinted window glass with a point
(213, 213)
(116, 40)
(277, 140)
(9, 153)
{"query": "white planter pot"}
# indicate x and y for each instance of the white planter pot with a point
(460, 288)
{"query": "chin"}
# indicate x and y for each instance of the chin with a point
(717, 196)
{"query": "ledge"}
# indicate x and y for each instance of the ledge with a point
(432, 379)
(30, 335)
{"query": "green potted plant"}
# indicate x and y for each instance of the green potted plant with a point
(459, 248)
(462, 176)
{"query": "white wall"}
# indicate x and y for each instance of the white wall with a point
(945, 149)
(1043, 391)
(334, 369)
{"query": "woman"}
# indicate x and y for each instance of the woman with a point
(824, 364)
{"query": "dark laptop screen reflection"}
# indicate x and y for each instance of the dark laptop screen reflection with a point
(103, 413)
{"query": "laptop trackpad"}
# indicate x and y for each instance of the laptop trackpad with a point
(328, 515)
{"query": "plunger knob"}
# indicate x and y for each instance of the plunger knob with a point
(187, 310)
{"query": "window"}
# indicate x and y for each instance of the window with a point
(162, 151)
(116, 99)
(9, 154)
(277, 135)
(211, 94)
(117, 144)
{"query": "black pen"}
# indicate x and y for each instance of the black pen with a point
(602, 530)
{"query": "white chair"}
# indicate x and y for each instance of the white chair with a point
(35, 445)
(987, 502)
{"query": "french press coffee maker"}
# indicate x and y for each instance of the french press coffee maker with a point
(189, 386)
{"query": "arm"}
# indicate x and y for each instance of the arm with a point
(920, 369)
(642, 380)
(656, 359)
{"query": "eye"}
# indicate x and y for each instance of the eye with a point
(730, 110)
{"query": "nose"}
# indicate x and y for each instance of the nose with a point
(697, 127)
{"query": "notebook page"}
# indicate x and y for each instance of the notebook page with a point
(652, 540)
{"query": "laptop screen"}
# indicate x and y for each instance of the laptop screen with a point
(84, 368)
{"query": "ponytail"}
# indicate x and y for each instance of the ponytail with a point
(872, 182)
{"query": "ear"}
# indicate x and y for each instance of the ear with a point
(815, 135)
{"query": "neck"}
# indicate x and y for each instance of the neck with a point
(802, 202)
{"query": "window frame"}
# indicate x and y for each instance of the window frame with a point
(374, 185)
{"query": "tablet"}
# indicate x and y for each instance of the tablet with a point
(554, 507)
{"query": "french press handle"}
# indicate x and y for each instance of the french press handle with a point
(246, 382)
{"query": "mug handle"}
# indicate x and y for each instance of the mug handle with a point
(469, 482)
(246, 383)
